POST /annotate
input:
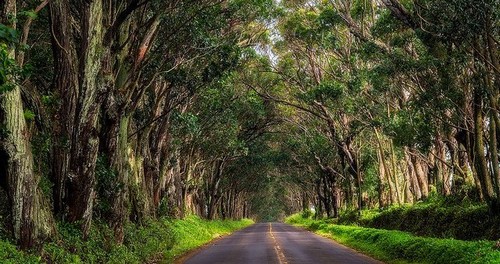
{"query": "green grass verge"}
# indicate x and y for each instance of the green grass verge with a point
(399, 247)
(193, 232)
(433, 219)
(156, 242)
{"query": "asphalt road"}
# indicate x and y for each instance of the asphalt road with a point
(276, 243)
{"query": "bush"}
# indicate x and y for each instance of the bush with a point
(307, 213)
(396, 246)
(432, 219)
(154, 242)
(10, 254)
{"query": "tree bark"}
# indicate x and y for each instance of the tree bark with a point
(77, 50)
(31, 218)
(421, 172)
(480, 161)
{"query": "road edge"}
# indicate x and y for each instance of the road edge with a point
(332, 240)
(188, 254)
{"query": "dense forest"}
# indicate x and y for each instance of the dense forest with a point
(126, 111)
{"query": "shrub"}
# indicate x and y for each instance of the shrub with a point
(10, 254)
(396, 246)
(433, 219)
(154, 242)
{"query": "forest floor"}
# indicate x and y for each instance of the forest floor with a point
(159, 241)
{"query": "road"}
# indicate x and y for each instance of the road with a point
(276, 243)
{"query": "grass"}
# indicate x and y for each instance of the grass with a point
(394, 246)
(193, 232)
(156, 242)
(431, 219)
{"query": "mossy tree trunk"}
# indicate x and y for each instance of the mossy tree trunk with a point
(480, 162)
(31, 219)
(77, 51)
(212, 193)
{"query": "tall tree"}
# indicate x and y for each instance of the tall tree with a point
(30, 217)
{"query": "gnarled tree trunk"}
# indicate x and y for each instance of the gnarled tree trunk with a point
(31, 218)
(77, 54)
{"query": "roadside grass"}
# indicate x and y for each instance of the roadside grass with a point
(193, 232)
(435, 218)
(158, 241)
(394, 246)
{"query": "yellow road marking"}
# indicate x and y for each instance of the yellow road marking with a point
(279, 252)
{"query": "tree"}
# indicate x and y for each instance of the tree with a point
(30, 217)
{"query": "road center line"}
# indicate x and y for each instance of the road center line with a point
(279, 252)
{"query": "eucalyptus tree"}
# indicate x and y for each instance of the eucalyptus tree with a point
(113, 55)
(316, 69)
(452, 51)
(30, 215)
(390, 79)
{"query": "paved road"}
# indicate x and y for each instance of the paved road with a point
(277, 243)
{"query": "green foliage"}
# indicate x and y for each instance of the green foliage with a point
(386, 24)
(459, 21)
(29, 115)
(7, 66)
(265, 8)
(186, 123)
(269, 203)
(438, 218)
(9, 254)
(306, 214)
(8, 35)
(312, 27)
(28, 13)
(325, 91)
(106, 185)
(155, 242)
(410, 128)
(141, 244)
(329, 18)
(193, 232)
(399, 247)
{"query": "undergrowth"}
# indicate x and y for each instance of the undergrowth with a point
(433, 219)
(155, 242)
(193, 232)
(400, 247)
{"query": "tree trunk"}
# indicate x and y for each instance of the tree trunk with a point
(480, 163)
(397, 189)
(32, 221)
(77, 52)
(214, 189)
(421, 171)
(385, 168)
(494, 153)
(411, 177)
(31, 217)
(117, 149)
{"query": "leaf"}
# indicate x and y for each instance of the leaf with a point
(31, 14)
(8, 35)
(29, 115)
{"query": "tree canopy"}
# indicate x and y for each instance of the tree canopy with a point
(129, 110)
